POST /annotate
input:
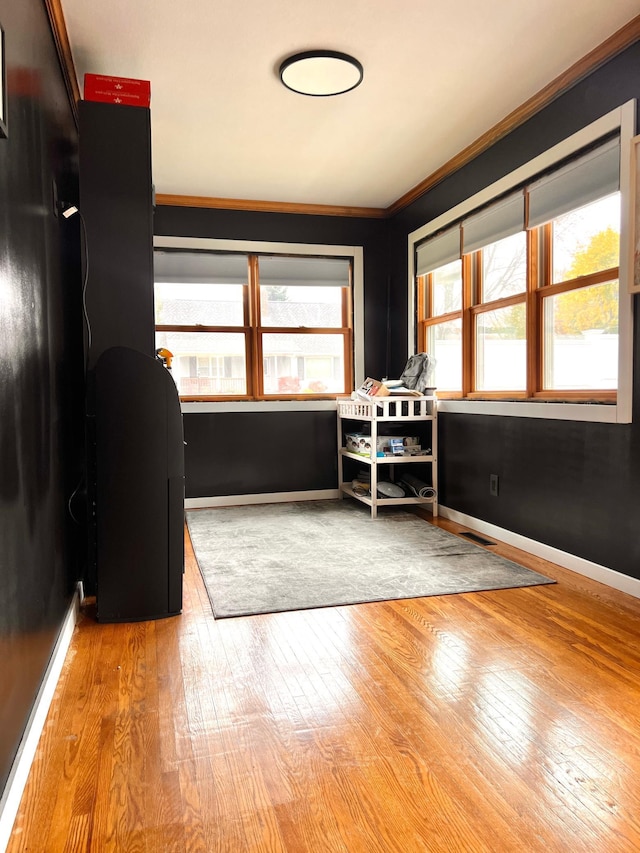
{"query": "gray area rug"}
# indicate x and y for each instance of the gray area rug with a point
(292, 556)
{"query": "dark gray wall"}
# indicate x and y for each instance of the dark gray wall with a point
(235, 454)
(258, 453)
(575, 486)
(40, 367)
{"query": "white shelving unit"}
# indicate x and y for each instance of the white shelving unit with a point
(389, 410)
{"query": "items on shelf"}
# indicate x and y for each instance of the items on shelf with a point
(387, 445)
(370, 389)
(416, 487)
(387, 489)
(416, 376)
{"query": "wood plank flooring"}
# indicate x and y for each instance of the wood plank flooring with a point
(498, 721)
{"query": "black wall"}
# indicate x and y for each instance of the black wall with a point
(575, 486)
(258, 453)
(40, 367)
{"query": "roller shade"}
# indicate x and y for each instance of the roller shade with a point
(438, 251)
(586, 179)
(303, 271)
(199, 267)
(493, 223)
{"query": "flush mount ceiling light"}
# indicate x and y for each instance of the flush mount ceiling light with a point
(321, 73)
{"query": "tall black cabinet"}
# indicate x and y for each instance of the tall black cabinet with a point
(134, 427)
(116, 204)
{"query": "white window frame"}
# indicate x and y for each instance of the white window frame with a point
(622, 119)
(355, 253)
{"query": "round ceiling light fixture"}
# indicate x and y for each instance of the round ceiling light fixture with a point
(321, 73)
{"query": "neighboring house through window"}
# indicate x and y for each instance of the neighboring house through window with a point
(254, 325)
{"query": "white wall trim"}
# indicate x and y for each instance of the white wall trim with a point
(594, 412)
(260, 406)
(624, 404)
(12, 794)
(595, 571)
(272, 498)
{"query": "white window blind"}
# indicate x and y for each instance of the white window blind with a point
(493, 223)
(301, 271)
(586, 179)
(438, 251)
(199, 268)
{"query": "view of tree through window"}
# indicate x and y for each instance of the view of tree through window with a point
(581, 340)
(565, 273)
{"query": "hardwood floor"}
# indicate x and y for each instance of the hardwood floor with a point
(498, 721)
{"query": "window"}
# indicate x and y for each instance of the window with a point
(541, 309)
(518, 299)
(440, 306)
(255, 326)
(580, 305)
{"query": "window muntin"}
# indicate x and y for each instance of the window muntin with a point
(300, 295)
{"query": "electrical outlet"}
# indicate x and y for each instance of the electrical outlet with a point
(493, 485)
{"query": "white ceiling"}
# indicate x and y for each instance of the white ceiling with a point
(436, 77)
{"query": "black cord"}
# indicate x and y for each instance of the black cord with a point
(73, 494)
(85, 282)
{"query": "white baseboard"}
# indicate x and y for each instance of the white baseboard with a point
(595, 571)
(272, 498)
(12, 794)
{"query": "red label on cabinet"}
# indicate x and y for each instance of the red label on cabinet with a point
(117, 90)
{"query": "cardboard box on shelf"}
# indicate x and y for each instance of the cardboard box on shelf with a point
(372, 388)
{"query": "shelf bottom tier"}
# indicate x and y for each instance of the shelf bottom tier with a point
(369, 501)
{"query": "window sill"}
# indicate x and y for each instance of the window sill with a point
(594, 412)
(247, 406)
